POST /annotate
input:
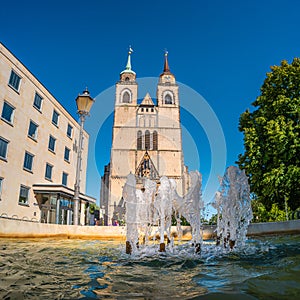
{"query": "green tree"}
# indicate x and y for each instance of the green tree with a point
(260, 214)
(213, 220)
(272, 139)
(276, 214)
(259, 211)
(183, 221)
(93, 207)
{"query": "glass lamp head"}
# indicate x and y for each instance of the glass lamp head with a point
(84, 102)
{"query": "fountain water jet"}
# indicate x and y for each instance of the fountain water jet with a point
(233, 205)
(129, 194)
(153, 207)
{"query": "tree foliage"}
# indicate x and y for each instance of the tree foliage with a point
(271, 139)
(93, 207)
(260, 214)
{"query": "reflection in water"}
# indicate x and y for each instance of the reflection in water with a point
(76, 269)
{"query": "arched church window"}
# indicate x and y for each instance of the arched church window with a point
(155, 142)
(139, 140)
(168, 99)
(147, 140)
(127, 79)
(126, 97)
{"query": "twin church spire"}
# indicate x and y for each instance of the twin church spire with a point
(128, 65)
(128, 69)
(166, 64)
(127, 86)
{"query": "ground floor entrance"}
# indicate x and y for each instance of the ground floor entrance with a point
(57, 206)
(56, 209)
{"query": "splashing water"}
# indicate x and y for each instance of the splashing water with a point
(190, 206)
(129, 194)
(233, 205)
(152, 208)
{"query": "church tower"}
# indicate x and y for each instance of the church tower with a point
(146, 139)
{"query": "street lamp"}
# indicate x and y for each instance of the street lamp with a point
(84, 103)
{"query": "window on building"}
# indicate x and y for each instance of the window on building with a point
(7, 112)
(51, 144)
(32, 130)
(126, 97)
(28, 161)
(155, 140)
(139, 140)
(168, 99)
(1, 181)
(69, 131)
(64, 179)
(14, 80)
(3, 148)
(24, 193)
(48, 172)
(37, 103)
(55, 116)
(147, 140)
(67, 154)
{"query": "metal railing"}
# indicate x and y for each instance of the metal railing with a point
(16, 217)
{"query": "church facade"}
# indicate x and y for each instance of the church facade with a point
(146, 139)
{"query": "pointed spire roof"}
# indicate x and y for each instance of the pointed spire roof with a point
(166, 64)
(147, 100)
(128, 65)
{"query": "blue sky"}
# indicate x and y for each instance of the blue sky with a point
(220, 49)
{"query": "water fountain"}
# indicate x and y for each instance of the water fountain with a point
(153, 206)
(233, 205)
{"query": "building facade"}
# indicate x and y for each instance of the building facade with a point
(38, 150)
(146, 139)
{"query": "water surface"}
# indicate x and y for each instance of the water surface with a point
(267, 268)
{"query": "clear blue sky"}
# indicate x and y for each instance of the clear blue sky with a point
(221, 49)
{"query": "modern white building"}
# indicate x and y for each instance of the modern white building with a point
(38, 150)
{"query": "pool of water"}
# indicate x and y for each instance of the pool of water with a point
(267, 268)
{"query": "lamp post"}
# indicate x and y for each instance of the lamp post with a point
(84, 103)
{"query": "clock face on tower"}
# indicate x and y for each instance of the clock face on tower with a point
(168, 79)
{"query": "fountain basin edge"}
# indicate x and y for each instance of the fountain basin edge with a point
(10, 228)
